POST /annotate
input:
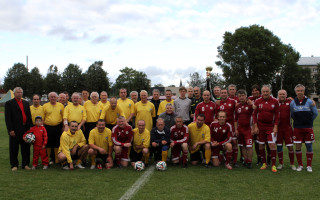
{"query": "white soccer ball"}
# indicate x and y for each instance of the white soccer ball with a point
(139, 166)
(30, 138)
(161, 166)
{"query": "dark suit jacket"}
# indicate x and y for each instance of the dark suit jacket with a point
(13, 117)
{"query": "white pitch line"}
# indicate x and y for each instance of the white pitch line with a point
(138, 184)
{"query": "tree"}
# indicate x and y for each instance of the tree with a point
(132, 80)
(158, 85)
(251, 55)
(317, 80)
(72, 79)
(171, 86)
(95, 78)
(196, 80)
(36, 82)
(52, 81)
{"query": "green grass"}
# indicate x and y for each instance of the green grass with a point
(196, 182)
(1, 108)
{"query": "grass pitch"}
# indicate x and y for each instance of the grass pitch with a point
(195, 182)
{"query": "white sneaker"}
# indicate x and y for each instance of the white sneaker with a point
(309, 169)
(45, 167)
(80, 166)
(66, 167)
(51, 163)
(92, 167)
(280, 166)
(33, 167)
(293, 167)
(300, 168)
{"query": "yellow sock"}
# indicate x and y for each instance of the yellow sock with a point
(146, 158)
(207, 155)
(164, 156)
(48, 152)
(56, 154)
(93, 160)
(78, 162)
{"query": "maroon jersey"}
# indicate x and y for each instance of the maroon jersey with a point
(243, 115)
(122, 135)
(267, 112)
(221, 133)
(227, 106)
(179, 135)
(235, 98)
(284, 119)
(40, 133)
(252, 98)
(208, 109)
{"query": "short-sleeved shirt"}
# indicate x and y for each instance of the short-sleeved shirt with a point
(127, 106)
(145, 111)
(104, 104)
(102, 140)
(197, 134)
(141, 139)
(162, 106)
(36, 111)
(110, 115)
(75, 113)
(53, 114)
(93, 111)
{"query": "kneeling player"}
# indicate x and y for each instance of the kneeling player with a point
(141, 143)
(122, 138)
(221, 136)
(101, 146)
(179, 141)
(160, 139)
(199, 140)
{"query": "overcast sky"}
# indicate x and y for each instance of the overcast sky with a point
(166, 39)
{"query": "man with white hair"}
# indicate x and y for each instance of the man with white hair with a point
(18, 121)
(63, 99)
(134, 96)
(169, 116)
(74, 112)
(145, 110)
(111, 113)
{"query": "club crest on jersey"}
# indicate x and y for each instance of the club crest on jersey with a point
(229, 104)
(203, 109)
(127, 132)
(129, 105)
(247, 108)
(142, 140)
(211, 108)
(272, 106)
(107, 138)
(287, 104)
(223, 131)
(216, 129)
(202, 135)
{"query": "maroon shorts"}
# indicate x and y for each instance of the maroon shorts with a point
(175, 152)
(245, 138)
(303, 135)
(124, 154)
(215, 151)
(265, 135)
(285, 135)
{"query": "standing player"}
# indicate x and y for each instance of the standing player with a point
(85, 96)
(190, 92)
(74, 112)
(217, 92)
(199, 139)
(232, 90)
(160, 140)
(141, 143)
(179, 142)
(36, 109)
(182, 105)
(134, 96)
(266, 120)
(145, 110)
(122, 137)
(242, 127)
(303, 113)
(194, 102)
(162, 106)
(156, 102)
(285, 132)
(127, 105)
(221, 136)
(206, 107)
(111, 113)
(104, 99)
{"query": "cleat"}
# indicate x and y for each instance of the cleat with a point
(207, 166)
(249, 165)
(14, 169)
(99, 166)
(280, 166)
(293, 167)
(51, 163)
(92, 167)
(274, 168)
(33, 167)
(300, 168)
(235, 165)
(228, 166)
(259, 161)
(66, 167)
(27, 167)
(309, 169)
(45, 167)
(79, 166)
(264, 166)
(244, 164)
(184, 166)
(146, 165)
(119, 166)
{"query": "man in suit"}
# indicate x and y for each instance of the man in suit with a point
(18, 121)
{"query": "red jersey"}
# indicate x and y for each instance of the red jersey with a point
(179, 135)
(243, 115)
(41, 135)
(284, 119)
(235, 98)
(227, 106)
(267, 112)
(221, 133)
(122, 135)
(208, 109)
(252, 98)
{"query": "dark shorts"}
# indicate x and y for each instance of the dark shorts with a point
(88, 127)
(103, 157)
(54, 133)
(196, 156)
(135, 156)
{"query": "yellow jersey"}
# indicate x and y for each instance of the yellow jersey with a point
(110, 116)
(53, 114)
(93, 111)
(67, 142)
(145, 111)
(141, 139)
(102, 140)
(127, 106)
(36, 111)
(162, 106)
(74, 113)
(104, 104)
(198, 134)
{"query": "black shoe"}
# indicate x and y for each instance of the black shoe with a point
(245, 164)
(249, 165)
(259, 161)
(119, 166)
(185, 166)
(207, 166)
(146, 165)
(235, 165)
(241, 159)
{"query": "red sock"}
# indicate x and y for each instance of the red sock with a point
(118, 158)
(273, 156)
(309, 158)
(299, 157)
(280, 156)
(249, 160)
(184, 156)
(235, 155)
(263, 155)
(256, 148)
(291, 157)
(228, 155)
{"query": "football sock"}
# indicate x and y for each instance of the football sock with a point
(146, 158)
(263, 155)
(256, 148)
(228, 157)
(291, 157)
(78, 162)
(235, 154)
(299, 157)
(184, 157)
(273, 156)
(48, 152)
(309, 158)
(118, 158)
(207, 155)
(56, 154)
(280, 156)
(164, 156)
(93, 160)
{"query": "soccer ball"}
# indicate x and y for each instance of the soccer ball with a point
(139, 166)
(30, 138)
(161, 166)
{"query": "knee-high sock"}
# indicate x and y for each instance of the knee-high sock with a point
(118, 158)
(93, 160)
(280, 156)
(235, 154)
(299, 157)
(207, 155)
(273, 156)
(291, 157)
(184, 157)
(164, 156)
(263, 155)
(146, 158)
(309, 158)
(228, 157)
(48, 152)
(56, 154)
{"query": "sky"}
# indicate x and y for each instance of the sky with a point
(168, 40)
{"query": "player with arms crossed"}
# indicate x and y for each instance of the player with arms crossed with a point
(206, 107)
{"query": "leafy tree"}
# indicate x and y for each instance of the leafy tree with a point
(317, 80)
(171, 86)
(72, 79)
(196, 80)
(158, 85)
(52, 81)
(95, 78)
(36, 82)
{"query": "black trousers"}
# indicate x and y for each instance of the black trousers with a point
(88, 127)
(14, 143)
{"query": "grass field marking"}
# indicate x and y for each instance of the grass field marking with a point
(139, 183)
